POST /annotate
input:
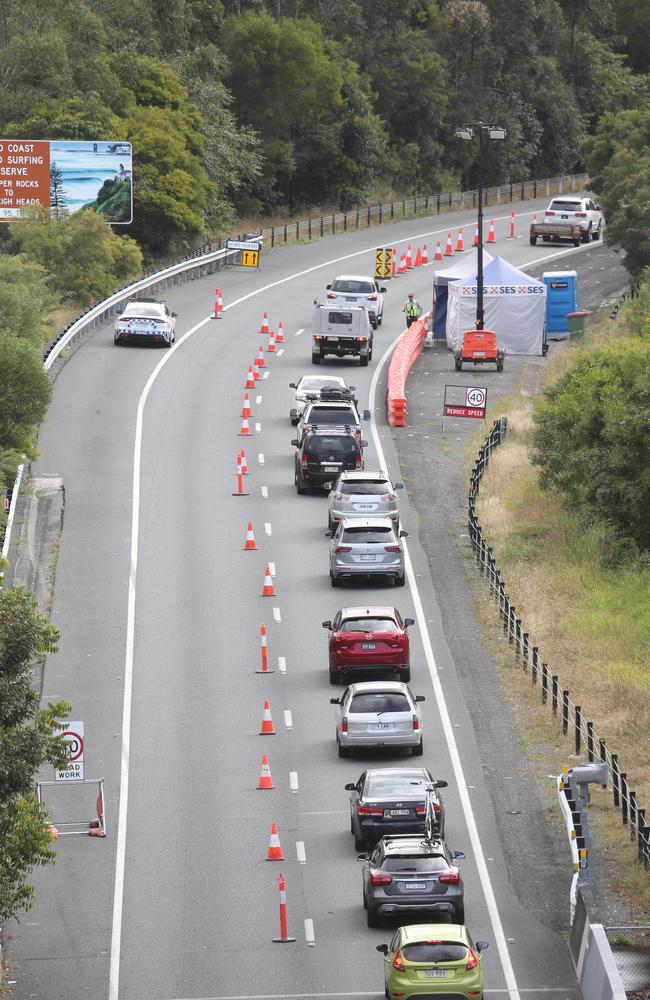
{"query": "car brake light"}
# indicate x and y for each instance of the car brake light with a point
(378, 879)
(317, 336)
(437, 808)
(343, 548)
(331, 295)
(371, 298)
(549, 213)
(369, 811)
(304, 460)
(362, 340)
(344, 725)
(388, 496)
(472, 961)
(581, 215)
(339, 495)
(450, 878)
(416, 723)
(398, 962)
(420, 810)
(392, 548)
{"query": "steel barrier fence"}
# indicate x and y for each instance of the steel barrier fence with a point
(552, 691)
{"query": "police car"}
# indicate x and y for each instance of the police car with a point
(146, 319)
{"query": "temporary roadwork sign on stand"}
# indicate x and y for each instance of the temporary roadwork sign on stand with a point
(464, 401)
(383, 262)
(249, 253)
(73, 734)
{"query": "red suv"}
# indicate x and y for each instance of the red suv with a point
(369, 639)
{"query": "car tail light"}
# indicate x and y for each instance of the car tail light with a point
(549, 213)
(378, 879)
(344, 725)
(371, 298)
(472, 961)
(362, 340)
(398, 962)
(339, 495)
(450, 878)
(437, 808)
(331, 295)
(343, 548)
(420, 810)
(317, 336)
(304, 460)
(392, 548)
(581, 215)
(416, 723)
(388, 496)
(369, 811)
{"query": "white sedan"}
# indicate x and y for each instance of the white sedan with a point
(358, 290)
(146, 319)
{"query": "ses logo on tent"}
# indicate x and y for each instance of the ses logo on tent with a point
(504, 289)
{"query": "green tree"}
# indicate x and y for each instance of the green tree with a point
(28, 739)
(592, 437)
(26, 391)
(24, 298)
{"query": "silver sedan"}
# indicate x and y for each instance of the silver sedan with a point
(378, 714)
(363, 494)
(366, 547)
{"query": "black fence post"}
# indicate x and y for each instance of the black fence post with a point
(333, 225)
(602, 750)
(297, 232)
(518, 636)
(345, 222)
(578, 727)
(523, 191)
(368, 217)
(450, 199)
(632, 811)
(321, 225)
(641, 827)
(392, 209)
(616, 780)
(590, 741)
(285, 232)
(511, 192)
(544, 683)
(272, 236)
(565, 711)
(309, 229)
(403, 209)
(624, 793)
(473, 199)
(533, 665)
(381, 214)
(534, 189)
(525, 651)
(415, 205)
(357, 218)
(438, 204)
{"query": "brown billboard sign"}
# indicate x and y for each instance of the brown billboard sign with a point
(24, 175)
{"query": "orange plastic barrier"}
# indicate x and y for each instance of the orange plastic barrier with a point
(408, 349)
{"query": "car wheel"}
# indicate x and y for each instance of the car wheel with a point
(372, 917)
(400, 580)
(351, 825)
(458, 365)
(405, 675)
(343, 751)
(459, 915)
(418, 750)
(334, 580)
(500, 365)
(335, 676)
(359, 842)
(380, 319)
(365, 901)
(315, 359)
(596, 235)
(586, 235)
(363, 360)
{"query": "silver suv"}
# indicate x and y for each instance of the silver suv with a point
(367, 548)
(578, 212)
(362, 494)
(323, 413)
(358, 290)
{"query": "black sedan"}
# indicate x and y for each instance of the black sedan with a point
(392, 800)
(415, 875)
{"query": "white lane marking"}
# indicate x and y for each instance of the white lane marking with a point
(258, 400)
(258, 428)
(481, 864)
(293, 781)
(276, 614)
(265, 492)
(272, 568)
(300, 852)
(282, 664)
(281, 351)
(260, 458)
(288, 720)
(118, 891)
(298, 332)
(267, 527)
(309, 932)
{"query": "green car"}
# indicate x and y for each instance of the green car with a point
(433, 959)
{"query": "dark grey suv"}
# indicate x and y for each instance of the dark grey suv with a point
(322, 455)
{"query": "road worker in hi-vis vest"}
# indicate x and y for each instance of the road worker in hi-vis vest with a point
(412, 308)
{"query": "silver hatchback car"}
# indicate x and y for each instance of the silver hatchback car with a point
(382, 714)
(366, 548)
(363, 494)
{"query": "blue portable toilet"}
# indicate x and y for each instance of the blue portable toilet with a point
(561, 299)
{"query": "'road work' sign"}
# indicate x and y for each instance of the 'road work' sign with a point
(73, 734)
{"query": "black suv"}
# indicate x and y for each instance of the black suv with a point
(323, 454)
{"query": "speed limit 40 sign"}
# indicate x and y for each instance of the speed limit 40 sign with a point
(476, 396)
(73, 734)
(465, 401)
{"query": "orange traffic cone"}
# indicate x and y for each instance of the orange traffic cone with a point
(265, 323)
(460, 246)
(476, 235)
(274, 852)
(438, 253)
(409, 259)
(393, 266)
(259, 360)
(268, 589)
(250, 544)
(240, 480)
(512, 225)
(418, 258)
(266, 781)
(246, 408)
(402, 263)
(264, 666)
(279, 337)
(491, 237)
(425, 255)
(250, 380)
(449, 249)
(271, 347)
(268, 729)
(256, 371)
(218, 303)
(243, 463)
(245, 429)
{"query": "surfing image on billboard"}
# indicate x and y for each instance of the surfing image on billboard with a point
(97, 175)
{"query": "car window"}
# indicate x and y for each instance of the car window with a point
(434, 951)
(321, 415)
(566, 206)
(353, 287)
(340, 318)
(388, 786)
(368, 625)
(343, 445)
(425, 865)
(367, 487)
(146, 309)
(368, 536)
(314, 384)
(379, 701)
(394, 944)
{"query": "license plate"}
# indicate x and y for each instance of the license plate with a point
(368, 645)
(479, 354)
(330, 468)
(378, 725)
(350, 298)
(367, 556)
(415, 886)
(364, 506)
(564, 216)
(435, 973)
(388, 813)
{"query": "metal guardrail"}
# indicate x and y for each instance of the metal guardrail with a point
(6, 540)
(552, 692)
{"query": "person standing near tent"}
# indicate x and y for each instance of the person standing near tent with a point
(412, 308)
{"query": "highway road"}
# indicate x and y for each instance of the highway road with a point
(160, 611)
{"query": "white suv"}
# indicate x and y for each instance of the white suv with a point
(358, 290)
(576, 211)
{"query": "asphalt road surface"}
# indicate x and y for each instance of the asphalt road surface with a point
(160, 610)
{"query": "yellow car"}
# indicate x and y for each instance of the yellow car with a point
(432, 959)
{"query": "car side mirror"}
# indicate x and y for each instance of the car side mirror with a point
(328, 287)
(292, 385)
(175, 315)
(329, 533)
(335, 701)
(458, 855)
(363, 857)
(364, 444)
(599, 208)
(409, 621)
(327, 486)
(366, 414)
(398, 486)
(403, 534)
(441, 783)
(420, 697)
(326, 624)
(350, 787)
(383, 289)
(294, 442)
(482, 945)
(383, 948)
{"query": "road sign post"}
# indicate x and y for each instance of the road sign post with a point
(249, 252)
(384, 262)
(73, 734)
(465, 401)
